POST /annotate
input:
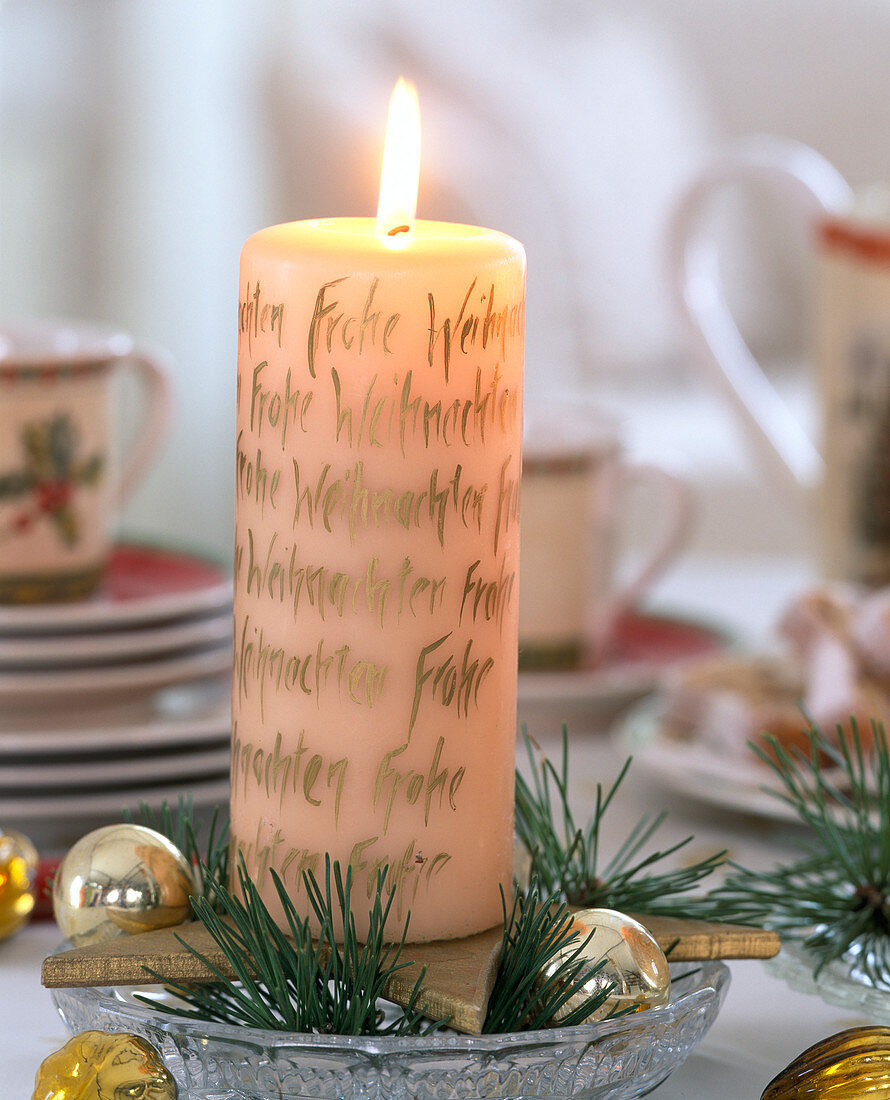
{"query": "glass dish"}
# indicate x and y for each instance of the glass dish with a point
(623, 1058)
(840, 983)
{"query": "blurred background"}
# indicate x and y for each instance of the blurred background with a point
(143, 142)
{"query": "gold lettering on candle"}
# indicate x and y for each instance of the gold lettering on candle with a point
(280, 574)
(508, 503)
(446, 682)
(344, 330)
(268, 668)
(411, 784)
(500, 326)
(488, 600)
(405, 870)
(256, 316)
(435, 587)
(459, 422)
(443, 332)
(252, 477)
(349, 498)
(318, 315)
(284, 771)
(371, 412)
(285, 408)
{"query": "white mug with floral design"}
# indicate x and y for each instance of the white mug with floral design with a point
(577, 483)
(848, 470)
(59, 495)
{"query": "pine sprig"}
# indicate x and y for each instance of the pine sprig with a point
(357, 972)
(535, 933)
(179, 824)
(291, 982)
(296, 983)
(836, 896)
(565, 857)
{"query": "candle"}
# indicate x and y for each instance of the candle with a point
(376, 559)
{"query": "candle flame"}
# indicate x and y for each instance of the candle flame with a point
(401, 165)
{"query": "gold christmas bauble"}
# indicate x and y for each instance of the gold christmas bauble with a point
(98, 1065)
(635, 964)
(18, 870)
(847, 1066)
(121, 879)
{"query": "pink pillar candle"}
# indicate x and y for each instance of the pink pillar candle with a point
(376, 562)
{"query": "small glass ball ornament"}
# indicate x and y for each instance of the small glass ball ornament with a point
(847, 1066)
(98, 1065)
(118, 880)
(18, 872)
(634, 963)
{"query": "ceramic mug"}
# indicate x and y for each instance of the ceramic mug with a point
(849, 472)
(59, 497)
(576, 485)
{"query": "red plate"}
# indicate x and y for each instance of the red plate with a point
(642, 648)
(661, 639)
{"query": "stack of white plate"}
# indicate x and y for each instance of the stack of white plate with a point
(118, 700)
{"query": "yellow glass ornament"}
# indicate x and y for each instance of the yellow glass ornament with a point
(121, 879)
(96, 1065)
(850, 1065)
(635, 964)
(18, 869)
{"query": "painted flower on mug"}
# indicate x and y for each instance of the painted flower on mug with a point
(45, 483)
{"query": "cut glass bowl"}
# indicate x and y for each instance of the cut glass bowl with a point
(622, 1058)
(841, 983)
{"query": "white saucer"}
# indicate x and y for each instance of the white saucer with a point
(46, 651)
(87, 775)
(76, 808)
(143, 584)
(203, 724)
(696, 770)
(30, 687)
(195, 701)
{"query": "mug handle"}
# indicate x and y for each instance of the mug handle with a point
(676, 495)
(817, 188)
(152, 365)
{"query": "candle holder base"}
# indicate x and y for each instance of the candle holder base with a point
(619, 1059)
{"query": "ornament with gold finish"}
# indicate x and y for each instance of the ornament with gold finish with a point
(850, 1065)
(98, 1065)
(635, 966)
(121, 879)
(18, 871)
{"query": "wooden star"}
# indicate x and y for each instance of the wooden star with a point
(459, 973)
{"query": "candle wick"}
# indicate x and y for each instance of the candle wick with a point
(398, 229)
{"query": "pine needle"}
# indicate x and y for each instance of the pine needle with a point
(565, 857)
(535, 933)
(836, 896)
(296, 983)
